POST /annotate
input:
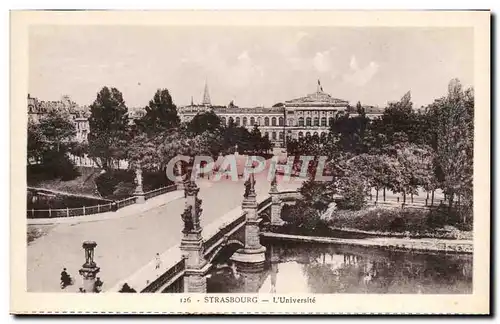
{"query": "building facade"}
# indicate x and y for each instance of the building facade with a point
(310, 115)
(296, 118)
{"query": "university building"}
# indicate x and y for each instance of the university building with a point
(296, 118)
(305, 116)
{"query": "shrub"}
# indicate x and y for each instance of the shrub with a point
(397, 224)
(303, 219)
(316, 194)
(155, 179)
(353, 191)
(55, 166)
(108, 182)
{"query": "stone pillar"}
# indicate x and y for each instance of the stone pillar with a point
(192, 241)
(139, 192)
(274, 268)
(275, 203)
(251, 258)
(179, 182)
(89, 269)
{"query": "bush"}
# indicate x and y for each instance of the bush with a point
(303, 219)
(55, 166)
(107, 183)
(397, 224)
(353, 192)
(118, 184)
(155, 179)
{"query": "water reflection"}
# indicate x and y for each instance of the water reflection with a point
(309, 268)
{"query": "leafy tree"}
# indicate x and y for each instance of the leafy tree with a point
(409, 165)
(351, 132)
(455, 141)
(36, 142)
(161, 114)
(108, 128)
(143, 152)
(399, 117)
(353, 190)
(202, 122)
(54, 132)
(318, 195)
(49, 141)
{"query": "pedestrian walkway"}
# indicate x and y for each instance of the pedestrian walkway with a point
(127, 243)
(134, 209)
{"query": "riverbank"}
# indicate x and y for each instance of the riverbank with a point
(399, 244)
(441, 234)
(83, 184)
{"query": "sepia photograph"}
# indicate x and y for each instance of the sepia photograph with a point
(272, 160)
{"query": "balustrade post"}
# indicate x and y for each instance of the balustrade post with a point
(192, 241)
(50, 213)
(98, 208)
(32, 212)
(67, 211)
(139, 192)
(83, 210)
(251, 258)
(275, 203)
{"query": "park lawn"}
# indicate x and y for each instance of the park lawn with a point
(84, 183)
(400, 223)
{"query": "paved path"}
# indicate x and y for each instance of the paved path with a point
(133, 209)
(125, 244)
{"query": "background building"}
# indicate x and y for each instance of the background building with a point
(305, 116)
(310, 115)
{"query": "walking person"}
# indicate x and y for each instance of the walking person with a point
(158, 261)
(65, 279)
(98, 285)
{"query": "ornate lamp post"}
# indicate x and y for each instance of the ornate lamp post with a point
(89, 269)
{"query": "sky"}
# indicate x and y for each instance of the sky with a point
(254, 66)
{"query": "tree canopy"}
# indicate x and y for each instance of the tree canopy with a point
(108, 123)
(161, 114)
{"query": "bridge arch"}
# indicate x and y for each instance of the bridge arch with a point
(224, 251)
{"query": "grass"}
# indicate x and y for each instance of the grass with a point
(408, 222)
(84, 183)
(302, 219)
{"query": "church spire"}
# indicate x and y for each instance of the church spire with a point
(206, 96)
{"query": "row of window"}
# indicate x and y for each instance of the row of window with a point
(316, 121)
(308, 134)
(308, 121)
(255, 121)
(274, 135)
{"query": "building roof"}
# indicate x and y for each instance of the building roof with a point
(255, 110)
(317, 99)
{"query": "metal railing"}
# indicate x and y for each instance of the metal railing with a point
(125, 202)
(209, 242)
(69, 212)
(167, 276)
(159, 191)
(95, 209)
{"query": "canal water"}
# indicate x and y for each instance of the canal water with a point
(322, 268)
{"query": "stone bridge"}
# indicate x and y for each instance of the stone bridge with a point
(234, 236)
